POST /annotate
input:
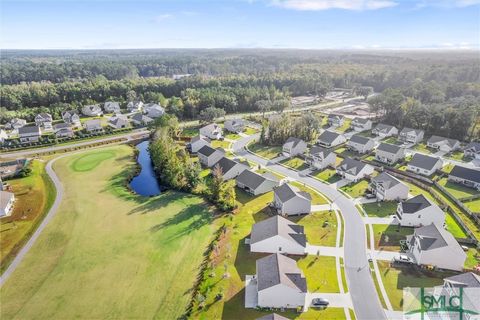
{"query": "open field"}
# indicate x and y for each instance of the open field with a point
(114, 255)
(316, 197)
(268, 152)
(34, 197)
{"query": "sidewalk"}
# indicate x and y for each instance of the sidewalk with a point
(324, 251)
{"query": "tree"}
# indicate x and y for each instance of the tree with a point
(263, 106)
(281, 105)
(211, 113)
(364, 91)
(131, 96)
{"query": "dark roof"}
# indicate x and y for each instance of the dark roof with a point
(433, 237)
(252, 179)
(286, 192)
(199, 137)
(29, 129)
(327, 137)
(466, 173)
(360, 120)
(272, 316)
(474, 146)
(359, 139)
(62, 125)
(320, 152)
(384, 127)
(424, 162)
(226, 164)
(278, 269)
(386, 180)
(44, 115)
(437, 139)
(278, 225)
(141, 117)
(390, 148)
(415, 204)
(351, 165)
(468, 279)
(292, 142)
(207, 150)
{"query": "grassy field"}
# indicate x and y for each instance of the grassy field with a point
(268, 152)
(387, 237)
(34, 197)
(473, 205)
(220, 144)
(473, 258)
(295, 163)
(190, 132)
(316, 197)
(321, 273)
(320, 227)
(391, 140)
(232, 136)
(422, 147)
(345, 126)
(380, 209)
(249, 131)
(457, 190)
(327, 175)
(109, 253)
(345, 153)
(356, 190)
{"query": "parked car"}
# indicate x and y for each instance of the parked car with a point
(403, 259)
(320, 302)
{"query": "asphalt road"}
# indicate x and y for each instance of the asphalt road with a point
(360, 283)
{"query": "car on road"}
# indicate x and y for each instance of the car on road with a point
(320, 302)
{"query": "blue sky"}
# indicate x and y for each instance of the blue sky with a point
(309, 24)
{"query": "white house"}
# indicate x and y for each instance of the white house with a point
(289, 200)
(118, 121)
(443, 144)
(29, 134)
(63, 130)
(3, 136)
(433, 245)
(472, 150)
(135, 106)
(72, 118)
(256, 183)
(6, 203)
(44, 120)
(419, 211)
(196, 143)
(384, 130)
(465, 176)
(16, 123)
(280, 283)
(354, 170)
(360, 144)
(389, 153)
(335, 120)
(234, 125)
(387, 188)
(424, 165)
(278, 235)
(112, 107)
(361, 124)
(329, 139)
(294, 146)
(212, 131)
(208, 156)
(409, 135)
(320, 158)
(93, 110)
(139, 119)
(153, 110)
(229, 168)
(93, 125)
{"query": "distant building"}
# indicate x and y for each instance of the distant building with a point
(389, 153)
(72, 118)
(443, 144)
(212, 131)
(330, 139)
(289, 200)
(387, 188)
(94, 125)
(16, 123)
(256, 183)
(29, 134)
(465, 176)
(93, 110)
(230, 168)
(140, 119)
(208, 156)
(320, 158)
(424, 165)
(409, 135)
(63, 130)
(196, 143)
(472, 150)
(361, 124)
(6, 203)
(354, 170)
(360, 144)
(135, 106)
(3, 136)
(44, 120)
(118, 121)
(234, 125)
(153, 110)
(112, 107)
(294, 146)
(335, 120)
(384, 130)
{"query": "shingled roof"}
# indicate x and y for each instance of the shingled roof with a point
(286, 192)
(359, 139)
(327, 137)
(351, 166)
(278, 269)
(466, 173)
(423, 161)
(390, 148)
(415, 204)
(386, 180)
(468, 280)
(253, 180)
(278, 226)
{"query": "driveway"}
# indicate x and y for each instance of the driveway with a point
(362, 289)
(324, 251)
(386, 255)
(251, 294)
(337, 300)
(378, 220)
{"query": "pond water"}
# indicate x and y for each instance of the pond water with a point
(146, 183)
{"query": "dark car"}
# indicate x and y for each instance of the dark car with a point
(320, 302)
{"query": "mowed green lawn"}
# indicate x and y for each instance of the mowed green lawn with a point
(108, 253)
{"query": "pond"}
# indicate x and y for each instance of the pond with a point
(146, 183)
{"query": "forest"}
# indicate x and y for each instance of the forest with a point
(437, 91)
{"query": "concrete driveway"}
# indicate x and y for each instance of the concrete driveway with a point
(324, 251)
(378, 220)
(386, 255)
(337, 300)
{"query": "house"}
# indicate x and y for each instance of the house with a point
(196, 143)
(463, 280)
(29, 134)
(208, 156)
(335, 120)
(354, 170)
(384, 130)
(63, 130)
(320, 158)
(93, 125)
(361, 124)
(466, 176)
(360, 144)
(93, 110)
(465, 285)
(229, 168)
(419, 211)
(387, 188)
(118, 121)
(329, 139)
(112, 107)
(140, 119)
(72, 118)
(6, 203)
(3, 136)
(278, 235)
(289, 200)
(44, 120)
(234, 125)
(272, 316)
(472, 150)
(433, 245)
(409, 135)
(443, 144)
(294, 146)
(424, 165)
(280, 283)
(256, 183)
(135, 106)
(153, 110)
(212, 131)
(389, 153)
(15, 124)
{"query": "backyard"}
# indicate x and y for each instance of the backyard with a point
(115, 255)
(457, 190)
(387, 237)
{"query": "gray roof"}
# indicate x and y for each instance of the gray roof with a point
(272, 316)
(286, 192)
(292, 142)
(118, 118)
(424, 162)
(112, 105)
(415, 204)
(208, 151)
(199, 137)
(29, 129)
(360, 120)
(327, 137)
(320, 152)
(141, 117)
(62, 125)
(278, 269)
(280, 226)
(433, 237)
(474, 146)
(410, 130)
(386, 180)
(93, 122)
(468, 279)
(390, 148)
(5, 198)
(351, 166)
(437, 139)
(211, 127)
(335, 116)
(226, 164)
(359, 139)
(253, 180)
(466, 173)
(44, 116)
(384, 127)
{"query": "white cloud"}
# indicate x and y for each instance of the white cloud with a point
(447, 3)
(317, 5)
(163, 17)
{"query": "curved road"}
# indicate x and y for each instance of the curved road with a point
(357, 269)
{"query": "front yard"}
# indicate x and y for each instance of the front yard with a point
(328, 175)
(357, 189)
(320, 227)
(422, 147)
(221, 144)
(295, 163)
(320, 272)
(387, 237)
(269, 152)
(380, 209)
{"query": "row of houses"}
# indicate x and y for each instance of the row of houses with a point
(214, 131)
